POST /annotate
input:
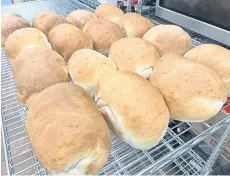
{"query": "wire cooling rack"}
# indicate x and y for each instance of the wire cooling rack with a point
(123, 160)
(174, 154)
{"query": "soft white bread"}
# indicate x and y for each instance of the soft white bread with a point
(215, 57)
(133, 108)
(36, 69)
(108, 12)
(103, 34)
(169, 39)
(86, 66)
(45, 21)
(23, 39)
(67, 38)
(79, 18)
(67, 131)
(192, 91)
(10, 23)
(134, 54)
(134, 24)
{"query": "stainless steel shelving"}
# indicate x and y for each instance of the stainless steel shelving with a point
(174, 155)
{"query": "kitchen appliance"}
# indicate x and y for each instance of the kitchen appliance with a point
(210, 18)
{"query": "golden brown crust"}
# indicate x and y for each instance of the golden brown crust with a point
(11, 23)
(134, 54)
(108, 12)
(23, 39)
(137, 106)
(169, 39)
(191, 90)
(36, 69)
(67, 38)
(70, 130)
(215, 57)
(86, 66)
(103, 34)
(79, 18)
(45, 21)
(134, 24)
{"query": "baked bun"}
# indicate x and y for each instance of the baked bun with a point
(86, 66)
(108, 12)
(192, 91)
(36, 69)
(215, 57)
(103, 34)
(45, 21)
(23, 39)
(79, 18)
(169, 39)
(10, 23)
(67, 38)
(70, 136)
(133, 108)
(11, 15)
(134, 24)
(134, 54)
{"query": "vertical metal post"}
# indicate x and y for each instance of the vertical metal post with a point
(129, 5)
(217, 151)
(140, 6)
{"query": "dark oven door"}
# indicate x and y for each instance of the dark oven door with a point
(207, 17)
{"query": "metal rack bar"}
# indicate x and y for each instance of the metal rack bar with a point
(179, 151)
(218, 149)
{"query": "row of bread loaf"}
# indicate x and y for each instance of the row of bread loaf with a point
(73, 132)
(164, 38)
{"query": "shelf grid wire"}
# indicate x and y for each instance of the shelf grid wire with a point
(123, 160)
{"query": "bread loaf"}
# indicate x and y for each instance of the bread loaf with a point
(67, 38)
(215, 57)
(86, 66)
(36, 69)
(11, 15)
(79, 18)
(45, 21)
(169, 39)
(133, 108)
(108, 12)
(134, 54)
(10, 23)
(67, 132)
(103, 34)
(192, 91)
(134, 24)
(23, 39)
